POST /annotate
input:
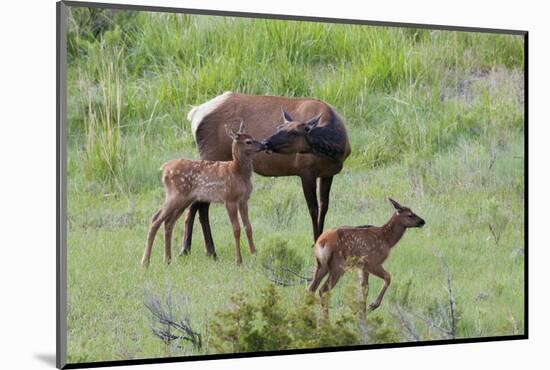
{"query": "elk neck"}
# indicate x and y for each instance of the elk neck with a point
(393, 231)
(328, 141)
(241, 163)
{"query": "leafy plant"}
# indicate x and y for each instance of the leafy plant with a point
(265, 325)
(497, 218)
(282, 264)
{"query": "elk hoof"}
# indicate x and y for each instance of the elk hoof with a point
(373, 306)
(145, 264)
(185, 252)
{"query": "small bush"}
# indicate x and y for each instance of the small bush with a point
(496, 218)
(283, 264)
(265, 325)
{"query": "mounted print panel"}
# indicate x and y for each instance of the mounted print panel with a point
(239, 184)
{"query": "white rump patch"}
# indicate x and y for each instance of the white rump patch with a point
(322, 254)
(197, 114)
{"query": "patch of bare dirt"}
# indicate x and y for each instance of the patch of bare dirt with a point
(498, 82)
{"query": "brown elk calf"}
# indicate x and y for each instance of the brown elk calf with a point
(369, 245)
(187, 181)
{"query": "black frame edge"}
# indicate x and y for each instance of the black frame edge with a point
(228, 13)
(526, 180)
(161, 360)
(61, 157)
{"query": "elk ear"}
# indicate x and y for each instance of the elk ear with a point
(395, 205)
(230, 132)
(310, 125)
(287, 117)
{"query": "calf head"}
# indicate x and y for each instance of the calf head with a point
(406, 216)
(244, 143)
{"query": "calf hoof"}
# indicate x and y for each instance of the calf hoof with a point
(185, 252)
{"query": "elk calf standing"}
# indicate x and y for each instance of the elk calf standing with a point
(187, 181)
(370, 245)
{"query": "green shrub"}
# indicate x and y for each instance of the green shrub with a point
(265, 325)
(283, 263)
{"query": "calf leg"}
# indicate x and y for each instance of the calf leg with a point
(309, 185)
(320, 273)
(364, 276)
(168, 229)
(335, 273)
(232, 211)
(383, 274)
(156, 221)
(243, 210)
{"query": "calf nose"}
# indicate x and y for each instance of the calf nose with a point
(422, 222)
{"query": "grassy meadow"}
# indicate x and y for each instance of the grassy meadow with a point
(435, 119)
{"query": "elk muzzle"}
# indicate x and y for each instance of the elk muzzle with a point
(268, 147)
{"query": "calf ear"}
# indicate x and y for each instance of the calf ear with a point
(241, 127)
(287, 117)
(230, 132)
(310, 125)
(395, 205)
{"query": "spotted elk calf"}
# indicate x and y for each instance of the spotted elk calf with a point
(368, 245)
(187, 181)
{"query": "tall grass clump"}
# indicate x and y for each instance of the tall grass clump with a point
(105, 155)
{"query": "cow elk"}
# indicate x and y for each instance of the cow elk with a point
(366, 246)
(307, 138)
(187, 181)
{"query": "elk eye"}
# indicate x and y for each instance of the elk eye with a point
(248, 142)
(411, 215)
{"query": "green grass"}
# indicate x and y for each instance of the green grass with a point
(435, 120)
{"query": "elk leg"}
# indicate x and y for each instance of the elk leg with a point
(205, 223)
(383, 274)
(309, 185)
(188, 228)
(232, 211)
(168, 229)
(243, 210)
(324, 194)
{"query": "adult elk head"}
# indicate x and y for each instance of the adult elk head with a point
(292, 136)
